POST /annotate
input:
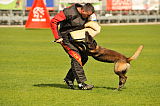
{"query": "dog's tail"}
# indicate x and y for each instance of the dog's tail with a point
(136, 54)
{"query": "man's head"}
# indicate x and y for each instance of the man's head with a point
(87, 10)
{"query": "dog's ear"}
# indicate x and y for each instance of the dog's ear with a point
(89, 41)
(88, 37)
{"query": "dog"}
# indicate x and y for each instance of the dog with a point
(122, 63)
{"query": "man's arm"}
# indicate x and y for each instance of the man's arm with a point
(55, 22)
(93, 17)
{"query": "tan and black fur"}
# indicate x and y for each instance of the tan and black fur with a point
(122, 63)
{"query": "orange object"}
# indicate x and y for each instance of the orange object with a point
(38, 16)
(114, 5)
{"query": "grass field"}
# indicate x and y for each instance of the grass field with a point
(32, 69)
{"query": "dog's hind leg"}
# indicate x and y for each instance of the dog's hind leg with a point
(121, 70)
(122, 81)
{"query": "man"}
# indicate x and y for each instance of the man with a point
(71, 19)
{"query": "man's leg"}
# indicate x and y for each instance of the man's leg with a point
(78, 71)
(84, 59)
(70, 75)
(83, 85)
(69, 79)
(77, 62)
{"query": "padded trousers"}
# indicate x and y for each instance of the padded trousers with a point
(78, 60)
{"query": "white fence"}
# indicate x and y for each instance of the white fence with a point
(19, 17)
(136, 16)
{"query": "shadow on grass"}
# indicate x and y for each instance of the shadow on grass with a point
(65, 86)
(109, 88)
(51, 85)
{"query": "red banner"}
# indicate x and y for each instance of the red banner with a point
(38, 16)
(119, 5)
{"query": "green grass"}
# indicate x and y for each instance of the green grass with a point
(32, 69)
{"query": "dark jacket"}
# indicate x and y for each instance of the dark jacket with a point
(69, 19)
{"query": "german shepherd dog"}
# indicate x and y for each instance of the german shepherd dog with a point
(122, 63)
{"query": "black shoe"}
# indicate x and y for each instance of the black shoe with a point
(69, 83)
(84, 86)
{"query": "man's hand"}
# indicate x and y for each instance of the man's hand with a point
(59, 40)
